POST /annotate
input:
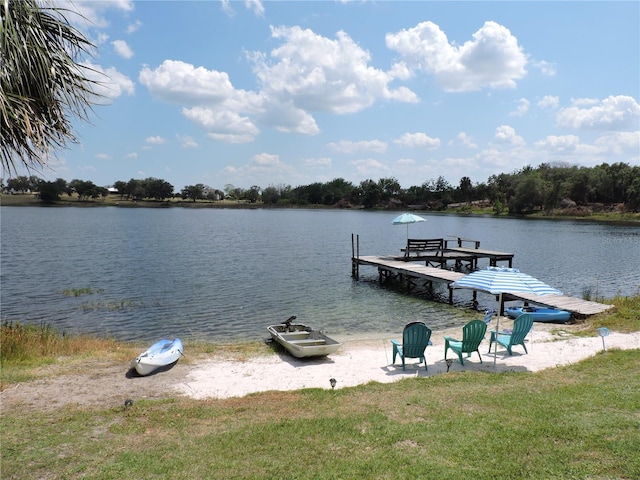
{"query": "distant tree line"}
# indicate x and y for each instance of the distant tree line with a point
(544, 188)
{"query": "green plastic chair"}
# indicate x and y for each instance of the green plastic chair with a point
(521, 327)
(416, 336)
(472, 334)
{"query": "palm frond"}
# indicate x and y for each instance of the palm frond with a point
(43, 86)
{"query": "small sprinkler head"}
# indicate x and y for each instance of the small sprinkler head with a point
(333, 382)
(128, 403)
(449, 363)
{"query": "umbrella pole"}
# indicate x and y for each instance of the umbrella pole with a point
(495, 353)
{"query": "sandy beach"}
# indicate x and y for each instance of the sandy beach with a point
(359, 361)
(362, 361)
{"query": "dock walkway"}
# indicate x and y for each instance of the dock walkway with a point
(391, 267)
(563, 302)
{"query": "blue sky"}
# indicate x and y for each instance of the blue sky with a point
(292, 93)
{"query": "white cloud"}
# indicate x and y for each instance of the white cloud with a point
(266, 159)
(317, 162)
(231, 138)
(156, 140)
(418, 139)
(549, 101)
(492, 59)
(224, 125)
(286, 117)
(103, 156)
(319, 74)
(370, 168)
(255, 6)
(613, 113)
(91, 14)
(405, 162)
(521, 109)
(346, 146)
(122, 48)
(109, 82)
(186, 141)
(548, 69)
(621, 143)
(559, 144)
(306, 73)
(132, 155)
(182, 83)
(133, 27)
(466, 140)
(208, 97)
(507, 135)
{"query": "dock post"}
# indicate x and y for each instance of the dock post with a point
(355, 255)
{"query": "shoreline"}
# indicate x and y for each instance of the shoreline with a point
(359, 361)
(630, 219)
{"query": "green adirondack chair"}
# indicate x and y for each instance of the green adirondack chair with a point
(472, 334)
(521, 327)
(416, 336)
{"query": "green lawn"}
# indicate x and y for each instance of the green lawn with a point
(580, 421)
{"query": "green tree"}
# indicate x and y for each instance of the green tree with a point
(194, 192)
(389, 188)
(270, 195)
(529, 194)
(135, 189)
(336, 190)
(42, 84)
(18, 184)
(63, 187)
(49, 192)
(121, 187)
(253, 194)
(371, 193)
(465, 190)
(157, 188)
(633, 200)
(87, 189)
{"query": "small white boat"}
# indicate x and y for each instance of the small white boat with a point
(302, 341)
(160, 354)
(540, 314)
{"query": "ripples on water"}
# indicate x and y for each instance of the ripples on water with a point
(223, 275)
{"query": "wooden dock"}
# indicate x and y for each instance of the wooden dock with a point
(414, 273)
(411, 272)
(574, 305)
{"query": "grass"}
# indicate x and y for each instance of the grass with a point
(578, 421)
(624, 318)
(25, 349)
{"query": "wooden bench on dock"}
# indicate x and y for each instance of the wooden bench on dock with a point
(429, 249)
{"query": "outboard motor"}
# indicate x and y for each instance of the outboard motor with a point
(287, 322)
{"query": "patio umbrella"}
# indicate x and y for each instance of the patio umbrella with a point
(501, 280)
(406, 219)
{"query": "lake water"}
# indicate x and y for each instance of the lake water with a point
(224, 274)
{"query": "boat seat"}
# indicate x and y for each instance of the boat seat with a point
(295, 335)
(310, 341)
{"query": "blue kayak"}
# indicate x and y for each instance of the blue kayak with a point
(539, 314)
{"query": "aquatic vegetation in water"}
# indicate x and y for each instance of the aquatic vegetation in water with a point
(76, 292)
(110, 306)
